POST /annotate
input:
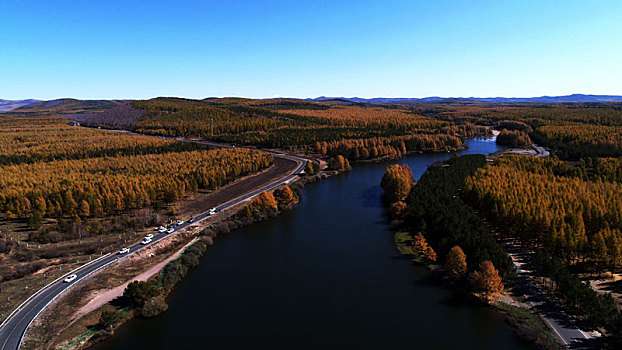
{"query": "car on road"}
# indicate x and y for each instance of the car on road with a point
(161, 229)
(191, 220)
(146, 241)
(212, 211)
(170, 230)
(70, 279)
(180, 222)
(123, 251)
(150, 236)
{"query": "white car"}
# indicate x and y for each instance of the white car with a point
(149, 236)
(180, 222)
(170, 230)
(70, 279)
(123, 251)
(146, 241)
(161, 229)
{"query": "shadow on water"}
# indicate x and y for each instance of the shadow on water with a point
(371, 197)
(326, 275)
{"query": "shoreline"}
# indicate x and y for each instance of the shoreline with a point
(526, 324)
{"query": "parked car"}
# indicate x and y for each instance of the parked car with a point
(123, 251)
(150, 236)
(191, 220)
(161, 229)
(170, 230)
(146, 241)
(180, 222)
(70, 279)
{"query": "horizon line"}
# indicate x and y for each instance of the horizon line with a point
(321, 96)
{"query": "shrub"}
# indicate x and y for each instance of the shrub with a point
(177, 269)
(108, 319)
(154, 307)
(139, 292)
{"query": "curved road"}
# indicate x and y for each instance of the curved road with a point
(14, 329)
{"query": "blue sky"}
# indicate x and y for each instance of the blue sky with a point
(196, 49)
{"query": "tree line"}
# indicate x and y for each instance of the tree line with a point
(513, 138)
(99, 186)
(388, 147)
(35, 139)
(347, 130)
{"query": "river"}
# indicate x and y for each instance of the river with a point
(324, 275)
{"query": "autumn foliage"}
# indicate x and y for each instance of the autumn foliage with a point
(570, 217)
(487, 280)
(398, 209)
(262, 206)
(285, 197)
(339, 163)
(513, 138)
(455, 263)
(421, 248)
(54, 173)
(396, 182)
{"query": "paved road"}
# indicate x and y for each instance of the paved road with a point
(14, 329)
(564, 325)
(540, 151)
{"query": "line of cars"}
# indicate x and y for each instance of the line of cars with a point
(148, 239)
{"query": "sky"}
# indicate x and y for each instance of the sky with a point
(127, 49)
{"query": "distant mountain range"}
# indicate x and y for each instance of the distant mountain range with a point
(99, 105)
(9, 105)
(575, 98)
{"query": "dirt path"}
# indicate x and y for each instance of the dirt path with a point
(100, 298)
(203, 201)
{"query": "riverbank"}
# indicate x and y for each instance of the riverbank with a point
(530, 327)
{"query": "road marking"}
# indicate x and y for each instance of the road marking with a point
(57, 295)
(46, 286)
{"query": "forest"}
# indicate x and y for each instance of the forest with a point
(49, 171)
(574, 217)
(28, 139)
(570, 215)
(571, 130)
(376, 131)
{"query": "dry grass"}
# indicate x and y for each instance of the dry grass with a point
(59, 318)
